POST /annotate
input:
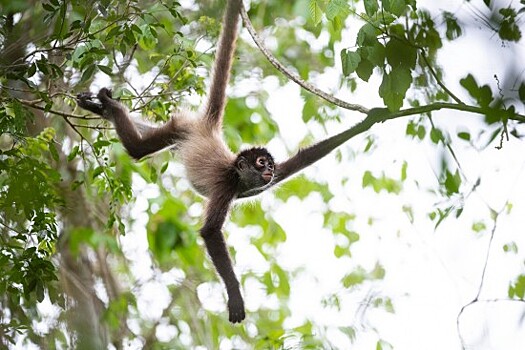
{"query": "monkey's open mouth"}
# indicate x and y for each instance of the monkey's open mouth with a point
(267, 176)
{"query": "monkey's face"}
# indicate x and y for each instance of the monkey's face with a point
(255, 167)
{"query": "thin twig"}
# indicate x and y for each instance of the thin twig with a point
(482, 281)
(493, 231)
(35, 105)
(98, 127)
(292, 76)
(11, 228)
(438, 81)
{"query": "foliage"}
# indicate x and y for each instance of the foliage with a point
(93, 236)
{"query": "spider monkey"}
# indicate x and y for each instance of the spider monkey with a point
(212, 168)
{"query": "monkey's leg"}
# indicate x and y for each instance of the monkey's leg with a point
(139, 139)
(217, 210)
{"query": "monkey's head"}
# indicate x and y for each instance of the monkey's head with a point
(255, 167)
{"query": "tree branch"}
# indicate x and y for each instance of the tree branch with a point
(446, 105)
(292, 76)
(35, 105)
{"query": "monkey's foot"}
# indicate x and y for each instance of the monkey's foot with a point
(236, 309)
(85, 101)
(105, 93)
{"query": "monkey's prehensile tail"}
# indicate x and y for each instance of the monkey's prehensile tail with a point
(220, 77)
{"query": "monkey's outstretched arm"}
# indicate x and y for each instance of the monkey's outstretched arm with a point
(214, 109)
(309, 155)
(138, 138)
(216, 211)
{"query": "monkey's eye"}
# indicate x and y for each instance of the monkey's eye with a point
(261, 161)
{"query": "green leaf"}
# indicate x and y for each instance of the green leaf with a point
(394, 87)
(116, 30)
(353, 278)
(375, 53)
(31, 71)
(48, 7)
(148, 39)
(364, 70)
(371, 7)
(73, 153)
(350, 61)
(483, 94)
(436, 135)
(381, 183)
(88, 73)
(521, 92)
(453, 28)
(105, 69)
(53, 151)
(509, 29)
(510, 247)
(383, 345)
(421, 132)
(61, 22)
(378, 273)
(395, 7)
(367, 35)
(479, 226)
(452, 182)
(400, 54)
(310, 108)
(164, 167)
(337, 8)
(97, 172)
(404, 171)
(301, 187)
(39, 292)
(469, 83)
(315, 12)
(517, 288)
(340, 251)
(464, 135)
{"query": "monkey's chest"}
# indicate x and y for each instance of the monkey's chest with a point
(205, 158)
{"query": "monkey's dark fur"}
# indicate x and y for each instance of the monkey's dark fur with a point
(214, 171)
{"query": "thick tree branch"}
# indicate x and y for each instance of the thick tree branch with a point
(294, 77)
(446, 105)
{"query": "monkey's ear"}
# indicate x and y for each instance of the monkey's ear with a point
(242, 163)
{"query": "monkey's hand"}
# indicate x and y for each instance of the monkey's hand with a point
(107, 108)
(236, 309)
(85, 101)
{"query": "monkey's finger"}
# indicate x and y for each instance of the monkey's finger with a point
(84, 96)
(105, 94)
